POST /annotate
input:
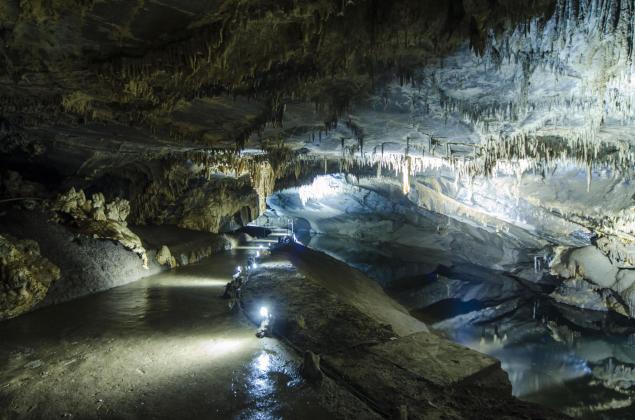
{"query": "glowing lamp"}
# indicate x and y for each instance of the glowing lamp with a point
(264, 312)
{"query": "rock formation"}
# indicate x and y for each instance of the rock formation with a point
(25, 276)
(96, 218)
(593, 281)
(164, 257)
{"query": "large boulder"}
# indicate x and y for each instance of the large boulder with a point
(25, 276)
(592, 280)
(97, 218)
(587, 262)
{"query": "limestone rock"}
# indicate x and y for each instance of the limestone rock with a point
(204, 195)
(98, 219)
(620, 252)
(593, 281)
(25, 276)
(71, 203)
(164, 257)
(118, 210)
(587, 262)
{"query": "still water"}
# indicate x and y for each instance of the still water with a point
(583, 372)
(163, 347)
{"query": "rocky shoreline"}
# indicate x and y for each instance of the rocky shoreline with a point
(88, 263)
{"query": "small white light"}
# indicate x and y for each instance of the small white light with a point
(239, 269)
(257, 254)
(259, 246)
(254, 265)
(264, 312)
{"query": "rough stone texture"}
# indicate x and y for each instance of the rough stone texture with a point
(12, 185)
(87, 265)
(165, 66)
(194, 190)
(434, 359)
(97, 219)
(593, 281)
(310, 368)
(25, 276)
(183, 245)
(305, 319)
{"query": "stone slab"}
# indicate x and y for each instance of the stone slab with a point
(436, 360)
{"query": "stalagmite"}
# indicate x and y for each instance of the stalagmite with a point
(405, 175)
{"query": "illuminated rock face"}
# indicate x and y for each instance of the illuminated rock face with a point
(97, 219)
(25, 276)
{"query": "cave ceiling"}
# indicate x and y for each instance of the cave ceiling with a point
(213, 73)
(450, 90)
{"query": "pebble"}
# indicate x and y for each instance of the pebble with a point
(34, 364)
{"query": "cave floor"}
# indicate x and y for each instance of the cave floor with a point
(163, 347)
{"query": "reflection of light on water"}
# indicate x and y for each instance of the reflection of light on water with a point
(262, 362)
(531, 366)
(261, 385)
(221, 347)
(534, 369)
(185, 282)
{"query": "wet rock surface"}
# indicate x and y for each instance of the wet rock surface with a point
(495, 132)
(95, 249)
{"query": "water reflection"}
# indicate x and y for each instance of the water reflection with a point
(163, 347)
(548, 361)
(575, 367)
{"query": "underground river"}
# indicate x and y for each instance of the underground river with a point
(167, 345)
(163, 347)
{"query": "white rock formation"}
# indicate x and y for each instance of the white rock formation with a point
(98, 219)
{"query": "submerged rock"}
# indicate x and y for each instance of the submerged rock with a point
(25, 276)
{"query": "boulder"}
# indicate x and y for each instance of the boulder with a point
(587, 262)
(98, 219)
